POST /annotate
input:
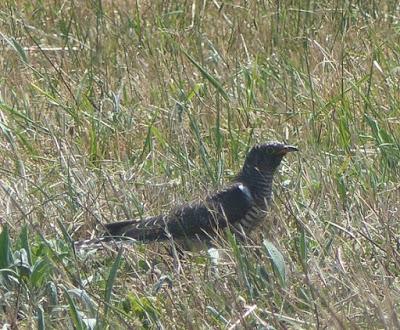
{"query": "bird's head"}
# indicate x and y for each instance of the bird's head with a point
(267, 156)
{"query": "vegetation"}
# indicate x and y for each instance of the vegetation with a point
(119, 109)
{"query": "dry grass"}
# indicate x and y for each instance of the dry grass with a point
(113, 110)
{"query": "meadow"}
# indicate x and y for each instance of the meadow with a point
(114, 110)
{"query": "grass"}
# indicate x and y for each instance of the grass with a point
(116, 110)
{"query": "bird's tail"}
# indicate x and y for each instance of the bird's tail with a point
(119, 228)
(100, 242)
(94, 243)
(113, 232)
(149, 229)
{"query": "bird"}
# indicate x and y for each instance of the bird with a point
(242, 205)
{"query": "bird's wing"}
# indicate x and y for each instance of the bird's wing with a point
(217, 211)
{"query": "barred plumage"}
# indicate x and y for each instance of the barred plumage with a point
(244, 203)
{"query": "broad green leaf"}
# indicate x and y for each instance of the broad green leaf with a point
(21, 262)
(40, 271)
(277, 261)
(83, 296)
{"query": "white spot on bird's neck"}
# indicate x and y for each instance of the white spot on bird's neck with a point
(245, 190)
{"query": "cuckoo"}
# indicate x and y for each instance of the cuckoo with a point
(242, 205)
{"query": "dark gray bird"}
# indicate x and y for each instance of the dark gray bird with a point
(243, 203)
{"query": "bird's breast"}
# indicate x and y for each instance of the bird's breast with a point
(261, 191)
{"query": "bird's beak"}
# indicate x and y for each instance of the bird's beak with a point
(287, 148)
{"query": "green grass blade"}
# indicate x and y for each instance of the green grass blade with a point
(214, 81)
(73, 312)
(5, 249)
(24, 242)
(111, 280)
(41, 325)
(16, 46)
